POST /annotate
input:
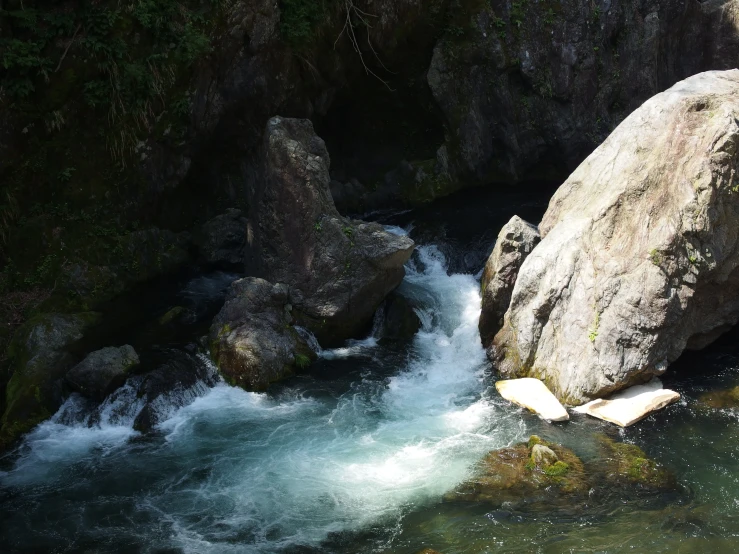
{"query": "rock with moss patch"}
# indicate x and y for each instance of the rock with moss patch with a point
(40, 354)
(537, 472)
(102, 371)
(253, 339)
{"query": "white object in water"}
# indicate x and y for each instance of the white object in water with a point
(534, 395)
(631, 405)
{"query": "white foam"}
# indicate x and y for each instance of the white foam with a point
(289, 470)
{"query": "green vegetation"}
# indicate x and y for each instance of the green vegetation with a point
(593, 333)
(557, 469)
(302, 361)
(655, 257)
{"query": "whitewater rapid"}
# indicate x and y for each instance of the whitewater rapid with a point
(235, 471)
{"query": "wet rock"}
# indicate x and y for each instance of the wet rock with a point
(630, 405)
(339, 270)
(533, 395)
(543, 456)
(221, 241)
(40, 357)
(399, 320)
(720, 399)
(515, 242)
(640, 250)
(102, 371)
(512, 477)
(176, 382)
(253, 339)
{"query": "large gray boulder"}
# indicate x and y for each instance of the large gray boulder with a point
(253, 339)
(339, 270)
(102, 371)
(640, 250)
(515, 242)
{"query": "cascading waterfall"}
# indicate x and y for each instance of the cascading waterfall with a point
(236, 471)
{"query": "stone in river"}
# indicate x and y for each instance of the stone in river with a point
(534, 395)
(631, 405)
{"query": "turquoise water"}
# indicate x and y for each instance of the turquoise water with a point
(355, 455)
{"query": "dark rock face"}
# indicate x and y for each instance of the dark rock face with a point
(515, 242)
(529, 84)
(41, 357)
(138, 257)
(253, 340)
(338, 270)
(221, 241)
(102, 371)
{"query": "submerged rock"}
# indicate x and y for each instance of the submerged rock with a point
(624, 464)
(547, 476)
(640, 250)
(222, 240)
(339, 270)
(102, 371)
(41, 357)
(253, 339)
(520, 475)
(720, 399)
(631, 405)
(533, 395)
(515, 242)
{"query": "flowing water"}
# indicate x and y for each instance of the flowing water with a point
(355, 455)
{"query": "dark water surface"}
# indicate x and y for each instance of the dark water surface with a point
(355, 455)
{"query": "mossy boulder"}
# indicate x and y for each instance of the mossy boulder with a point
(542, 476)
(720, 399)
(40, 358)
(253, 340)
(516, 476)
(626, 465)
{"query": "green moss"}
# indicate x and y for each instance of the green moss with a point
(557, 469)
(302, 361)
